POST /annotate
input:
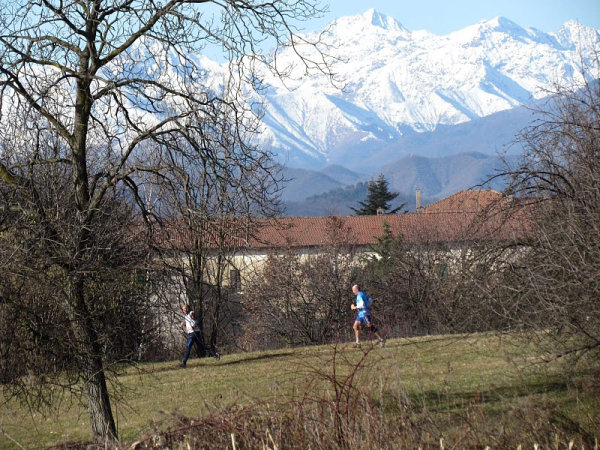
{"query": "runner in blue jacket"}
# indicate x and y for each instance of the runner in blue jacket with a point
(362, 306)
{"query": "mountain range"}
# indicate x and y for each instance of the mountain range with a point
(427, 111)
(328, 191)
(398, 83)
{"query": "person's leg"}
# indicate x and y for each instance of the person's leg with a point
(357, 332)
(372, 328)
(381, 339)
(214, 353)
(200, 352)
(188, 348)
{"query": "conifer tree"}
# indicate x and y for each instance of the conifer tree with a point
(383, 252)
(379, 196)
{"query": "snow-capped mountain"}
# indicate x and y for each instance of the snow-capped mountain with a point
(399, 82)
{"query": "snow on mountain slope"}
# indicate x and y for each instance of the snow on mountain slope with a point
(397, 80)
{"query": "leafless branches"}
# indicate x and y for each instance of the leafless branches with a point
(550, 287)
(109, 100)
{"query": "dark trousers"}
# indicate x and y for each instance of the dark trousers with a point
(193, 338)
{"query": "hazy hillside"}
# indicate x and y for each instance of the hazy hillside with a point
(341, 174)
(491, 135)
(441, 177)
(340, 201)
(435, 177)
(302, 183)
(335, 202)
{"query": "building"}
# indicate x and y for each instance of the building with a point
(457, 221)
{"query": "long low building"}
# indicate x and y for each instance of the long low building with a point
(466, 217)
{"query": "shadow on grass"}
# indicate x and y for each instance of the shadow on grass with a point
(253, 358)
(199, 362)
(439, 401)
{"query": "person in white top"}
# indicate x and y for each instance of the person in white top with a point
(193, 331)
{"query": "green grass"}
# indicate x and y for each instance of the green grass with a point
(444, 375)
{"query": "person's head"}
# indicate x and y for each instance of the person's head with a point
(355, 289)
(184, 308)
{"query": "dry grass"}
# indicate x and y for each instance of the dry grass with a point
(465, 390)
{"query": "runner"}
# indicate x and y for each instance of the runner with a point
(193, 334)
(363, 304)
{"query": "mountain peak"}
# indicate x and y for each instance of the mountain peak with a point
(574, 34)
(380, 20)
(572, 24)
(575, 28)
(484, 29)
(500, 22)
(503, 25)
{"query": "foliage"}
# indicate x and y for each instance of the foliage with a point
(378, 198)
(383, 252)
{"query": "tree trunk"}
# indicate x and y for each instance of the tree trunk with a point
(197, 294)
(101, 418)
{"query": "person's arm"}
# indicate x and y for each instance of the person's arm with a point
(360, 303)
(184, 320)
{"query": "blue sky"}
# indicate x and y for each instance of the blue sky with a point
(445, 16)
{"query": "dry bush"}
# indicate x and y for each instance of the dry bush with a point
(417, 289)
(297, 299)
(549, 290)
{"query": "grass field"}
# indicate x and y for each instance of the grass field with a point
(445, 378)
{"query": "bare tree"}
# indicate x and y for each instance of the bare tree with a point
(413, 283)
(303, 299)
(550, 288)
(116, 83)
(212, 205)
(49, 341)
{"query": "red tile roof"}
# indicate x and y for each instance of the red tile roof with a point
(465, 201)
(465, 216)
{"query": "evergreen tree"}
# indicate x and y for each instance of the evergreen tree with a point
(382, 253)
(378, 196)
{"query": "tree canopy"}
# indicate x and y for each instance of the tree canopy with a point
(378, 199)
